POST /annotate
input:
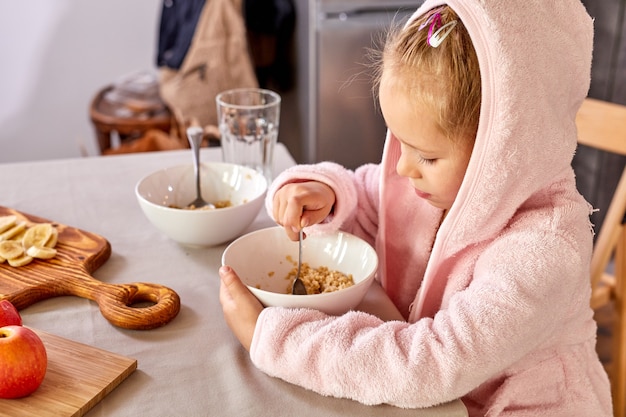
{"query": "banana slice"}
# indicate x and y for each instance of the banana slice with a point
(37, 235)
(6, 222)
(13, 231)
(20, 261)
(41, 252)
(54, 237)
(10, 249)
(19, 236)
(20, 244)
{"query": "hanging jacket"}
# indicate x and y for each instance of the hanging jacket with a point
(270, 26)
(217, 60)
(177, 25)
(497, 313)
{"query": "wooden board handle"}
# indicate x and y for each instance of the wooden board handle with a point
(137, 306)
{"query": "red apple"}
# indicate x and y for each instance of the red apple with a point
(23, 361)
(9, 315)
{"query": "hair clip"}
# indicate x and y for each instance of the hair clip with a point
(435, 38)
(434, 16)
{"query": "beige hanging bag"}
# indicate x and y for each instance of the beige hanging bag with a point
(217, 60)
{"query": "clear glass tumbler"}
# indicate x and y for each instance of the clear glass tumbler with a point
(248, 120)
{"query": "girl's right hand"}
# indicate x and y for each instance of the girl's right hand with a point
(301, 204)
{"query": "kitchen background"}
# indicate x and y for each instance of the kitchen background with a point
(55, 56)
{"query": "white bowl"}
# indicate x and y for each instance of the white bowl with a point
(175, 186)
(263, 259)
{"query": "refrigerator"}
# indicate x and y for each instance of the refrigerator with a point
(340, 119)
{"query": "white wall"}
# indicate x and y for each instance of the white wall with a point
(54, 56)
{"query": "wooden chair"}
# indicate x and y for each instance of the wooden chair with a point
(134, 118)
(602, 125)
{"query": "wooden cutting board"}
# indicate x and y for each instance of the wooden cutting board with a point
(77, 378)
(79, 253)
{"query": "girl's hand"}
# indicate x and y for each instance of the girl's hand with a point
(301, 204)
(240, 307)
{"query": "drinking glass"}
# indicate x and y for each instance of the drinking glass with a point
(248, 120)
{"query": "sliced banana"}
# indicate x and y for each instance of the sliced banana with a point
(13, 231)
(19, 236)
(10, 249)
(20, 261)
(37, 235)
(6, 222)
(41, 252)
(21, 243)
(54, 237)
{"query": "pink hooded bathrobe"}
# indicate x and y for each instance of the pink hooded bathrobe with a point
(498, 311)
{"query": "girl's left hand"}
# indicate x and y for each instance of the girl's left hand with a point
(241, 308)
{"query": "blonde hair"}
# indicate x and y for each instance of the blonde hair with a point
(446, 79)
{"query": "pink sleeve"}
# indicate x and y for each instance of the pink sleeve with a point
(356, 207)
(356, 356)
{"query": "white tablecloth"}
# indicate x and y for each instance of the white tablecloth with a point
(192, 366)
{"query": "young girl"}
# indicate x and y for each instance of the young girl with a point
(484, 242)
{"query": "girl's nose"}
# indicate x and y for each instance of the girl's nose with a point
(405, 168)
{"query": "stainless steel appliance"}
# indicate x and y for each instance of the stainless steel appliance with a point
(339, 117)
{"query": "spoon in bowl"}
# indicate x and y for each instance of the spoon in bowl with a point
(298, 287)
(194, 135)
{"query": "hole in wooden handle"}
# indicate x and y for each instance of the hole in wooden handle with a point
(139, 306)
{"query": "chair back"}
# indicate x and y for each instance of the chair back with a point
(602, 125)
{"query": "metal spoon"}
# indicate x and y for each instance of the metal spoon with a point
(194, 135)
(298, 287)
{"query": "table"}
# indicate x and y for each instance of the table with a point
(192, 366)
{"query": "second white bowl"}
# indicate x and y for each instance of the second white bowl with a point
(159, 192)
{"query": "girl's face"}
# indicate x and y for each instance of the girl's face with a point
(434, 164)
